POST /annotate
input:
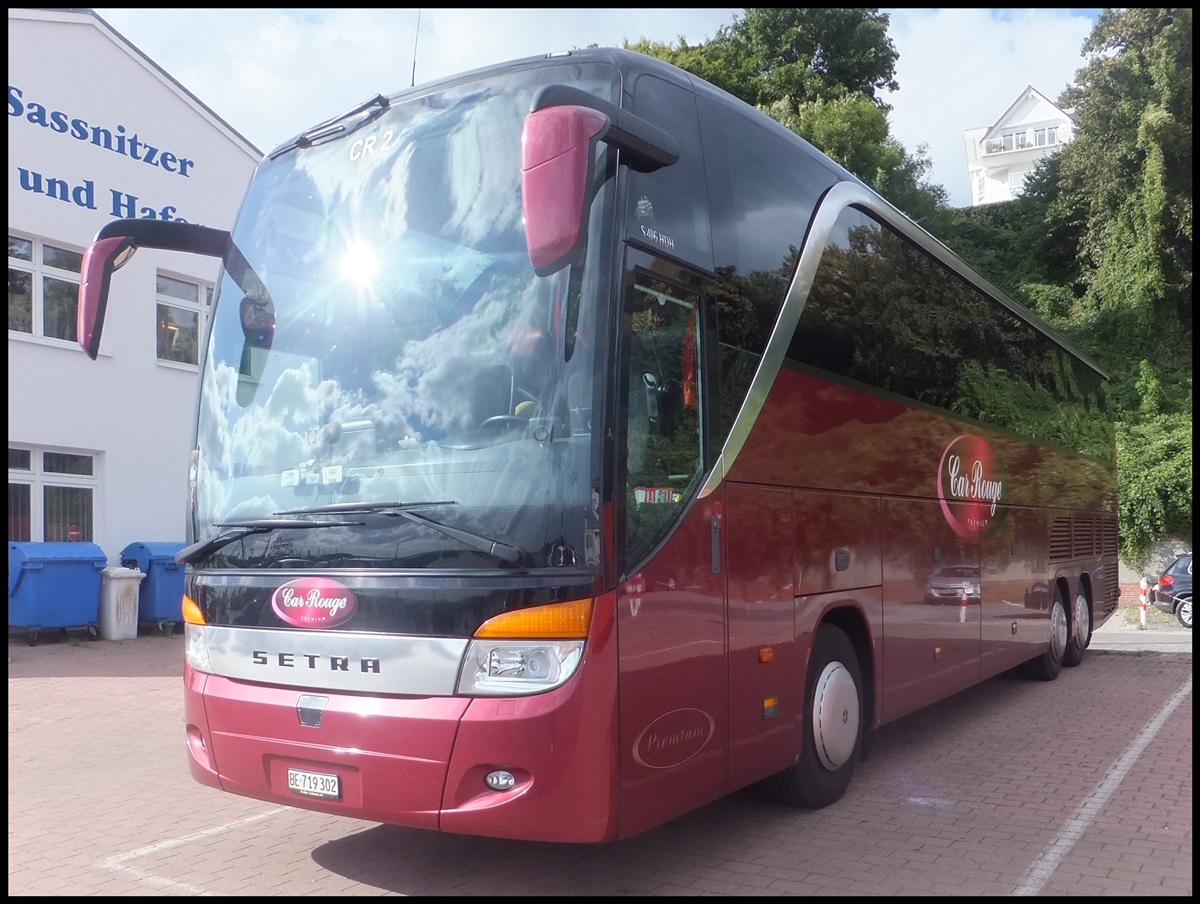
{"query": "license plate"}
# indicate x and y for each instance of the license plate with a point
(314, 784)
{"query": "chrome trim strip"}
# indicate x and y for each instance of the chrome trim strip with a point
(337, 661)
(837, 199)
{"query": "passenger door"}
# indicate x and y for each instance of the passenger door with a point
(670, 620)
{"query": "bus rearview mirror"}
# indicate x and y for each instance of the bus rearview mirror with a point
(558, 167)
(113, 246)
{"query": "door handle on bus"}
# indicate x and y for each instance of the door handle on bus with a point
(714, 532)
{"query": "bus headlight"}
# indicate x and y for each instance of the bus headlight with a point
(500, 668)
(195, 643)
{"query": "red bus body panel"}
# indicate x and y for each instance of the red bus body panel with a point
(420, 762)
(673, 727)
(864, 471)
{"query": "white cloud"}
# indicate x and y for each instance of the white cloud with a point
(271, 73)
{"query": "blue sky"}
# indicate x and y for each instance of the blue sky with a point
(271, 73)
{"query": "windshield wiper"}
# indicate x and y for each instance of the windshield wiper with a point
(336, 126)
(239, 529)
(368, 508)
(501, 551)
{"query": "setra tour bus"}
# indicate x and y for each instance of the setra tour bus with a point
(576, 445)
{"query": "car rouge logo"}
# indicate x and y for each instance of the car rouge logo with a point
(313, 603)
(970, 488)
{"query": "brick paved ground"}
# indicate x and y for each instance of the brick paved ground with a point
(1078, 787)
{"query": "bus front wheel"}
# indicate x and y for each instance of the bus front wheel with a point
(832, 727)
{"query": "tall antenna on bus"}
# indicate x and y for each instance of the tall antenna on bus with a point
(415, 37)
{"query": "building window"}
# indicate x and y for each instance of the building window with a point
(1016, 183)
(43, 288)
(180, 318)
(51, 496)
(1015, 141)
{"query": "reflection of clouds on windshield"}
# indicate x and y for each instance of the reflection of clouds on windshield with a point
(439, 379)
(263, 445)
(405, 354)
(293, 398)
(273, 436)
(482, 203)
(212, 490)
(465, 153)
(261, 439)
(435, 386)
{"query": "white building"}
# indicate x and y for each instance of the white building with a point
(98, 450)
(1002, 155)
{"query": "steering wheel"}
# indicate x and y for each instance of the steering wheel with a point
(507, 421)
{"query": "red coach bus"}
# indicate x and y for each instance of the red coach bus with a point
(576, 445)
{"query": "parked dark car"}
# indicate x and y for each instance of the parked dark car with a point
(1173, 592)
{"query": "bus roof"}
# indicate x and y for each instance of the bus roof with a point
(630, 64)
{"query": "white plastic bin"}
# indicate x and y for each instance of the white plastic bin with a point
(119, 591)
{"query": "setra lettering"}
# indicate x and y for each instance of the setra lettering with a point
(314, 662)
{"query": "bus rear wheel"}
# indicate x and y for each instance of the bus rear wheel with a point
(1047, 666)
(1081, 631)
(832, 729)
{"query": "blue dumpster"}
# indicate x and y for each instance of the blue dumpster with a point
(54, 585)
(161, 596)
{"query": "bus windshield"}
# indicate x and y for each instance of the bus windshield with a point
(397, 349)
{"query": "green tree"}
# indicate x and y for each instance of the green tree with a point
(854, 132)
(1130, 171)
(1100, 245)
(821, 73)
(793, 55)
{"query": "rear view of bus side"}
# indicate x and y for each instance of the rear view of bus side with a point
(576, 445)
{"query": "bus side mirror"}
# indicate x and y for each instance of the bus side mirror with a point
(112, 247)
(558, 167)
(101, 259)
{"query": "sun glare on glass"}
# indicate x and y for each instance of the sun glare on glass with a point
(359, 264)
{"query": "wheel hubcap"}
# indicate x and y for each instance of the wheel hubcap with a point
(1083, 621)
(835, 715)
(1058, 628)
(1185, 612)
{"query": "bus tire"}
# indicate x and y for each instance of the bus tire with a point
(832, 730)
(1081, 631)
(1047, 666)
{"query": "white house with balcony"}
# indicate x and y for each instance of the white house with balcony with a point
(1002, 155)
